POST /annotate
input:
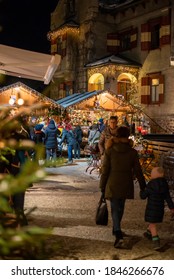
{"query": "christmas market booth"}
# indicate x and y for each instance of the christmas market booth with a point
(84, 108)
(87, 108)
(19, 95)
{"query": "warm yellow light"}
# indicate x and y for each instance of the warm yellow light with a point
(20, 101)
(61, 31)
(155, 82)
(11, 101)
(111, 70)
(17, 89)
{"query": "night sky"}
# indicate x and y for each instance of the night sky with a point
(25, 24)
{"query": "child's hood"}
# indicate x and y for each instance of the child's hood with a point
(158, 185)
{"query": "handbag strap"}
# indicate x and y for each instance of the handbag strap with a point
(102, 200)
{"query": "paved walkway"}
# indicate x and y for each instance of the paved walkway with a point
(66, 201)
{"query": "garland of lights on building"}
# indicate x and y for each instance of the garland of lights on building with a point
(112, 69)
(63, 30)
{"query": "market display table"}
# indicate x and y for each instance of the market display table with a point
(94, 163)
(157, 153)
(147, 160)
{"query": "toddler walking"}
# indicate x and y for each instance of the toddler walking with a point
(156, 192)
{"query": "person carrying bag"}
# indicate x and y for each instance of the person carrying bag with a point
(102, 212)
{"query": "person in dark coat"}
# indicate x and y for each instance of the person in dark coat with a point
(15, 165)
(157, 192)
(78, 133)
(101, 125)
(39, 135)
(51, 133)
(108, 132)
(69, 137)
(120, 166)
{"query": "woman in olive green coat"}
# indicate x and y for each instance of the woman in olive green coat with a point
(120, 167)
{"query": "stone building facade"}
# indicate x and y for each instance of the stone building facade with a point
(122, 45)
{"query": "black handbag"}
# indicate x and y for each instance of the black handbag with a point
(102, 213)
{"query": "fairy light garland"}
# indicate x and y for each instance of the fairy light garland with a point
(111, 70)
(52, 35)
(30, 91)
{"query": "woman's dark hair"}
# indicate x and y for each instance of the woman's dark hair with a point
(123, 132)
(115, 118)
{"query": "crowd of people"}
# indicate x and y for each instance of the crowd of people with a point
(120, 166)
(52, 136)
(64, 135)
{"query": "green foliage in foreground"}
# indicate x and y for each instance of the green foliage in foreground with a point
(23, 243)
(19, 242)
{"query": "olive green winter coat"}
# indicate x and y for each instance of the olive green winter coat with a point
(120, 166)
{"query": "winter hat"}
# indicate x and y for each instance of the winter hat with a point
(38, 127)
(100, 120)
(51, 122)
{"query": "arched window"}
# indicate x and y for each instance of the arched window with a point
(96, 82)
(124, 85)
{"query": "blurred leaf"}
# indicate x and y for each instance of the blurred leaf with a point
(15, 242)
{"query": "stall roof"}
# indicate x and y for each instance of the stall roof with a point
(114, 59)
(108, 100)
(76, 98)
(115, 4)
(27, 64)
(13, 89)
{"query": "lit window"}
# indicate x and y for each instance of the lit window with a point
(155, 90)
(123, 87)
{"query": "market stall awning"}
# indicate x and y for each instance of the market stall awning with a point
(103, 99)
(27, 64)
(30, 96)
(75, 98)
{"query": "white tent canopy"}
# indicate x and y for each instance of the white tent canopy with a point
(27, 64)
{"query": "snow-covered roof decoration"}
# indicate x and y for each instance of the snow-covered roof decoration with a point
(113, 59)
(115, 4)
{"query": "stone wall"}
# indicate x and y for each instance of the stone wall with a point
(163, 124)
(91, 45)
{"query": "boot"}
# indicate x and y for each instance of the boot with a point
(156, 242)
(119, 239)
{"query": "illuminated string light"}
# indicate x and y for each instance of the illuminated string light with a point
(20, 101)
(112, 69)
(22, 87)
(11, 101)
(63, 30)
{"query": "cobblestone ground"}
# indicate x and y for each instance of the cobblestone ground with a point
(66, 201)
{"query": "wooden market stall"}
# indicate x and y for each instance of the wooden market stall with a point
(19, 95)
(87, 108)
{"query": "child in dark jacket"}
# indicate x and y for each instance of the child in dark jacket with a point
(157, 192)
(39, 135)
